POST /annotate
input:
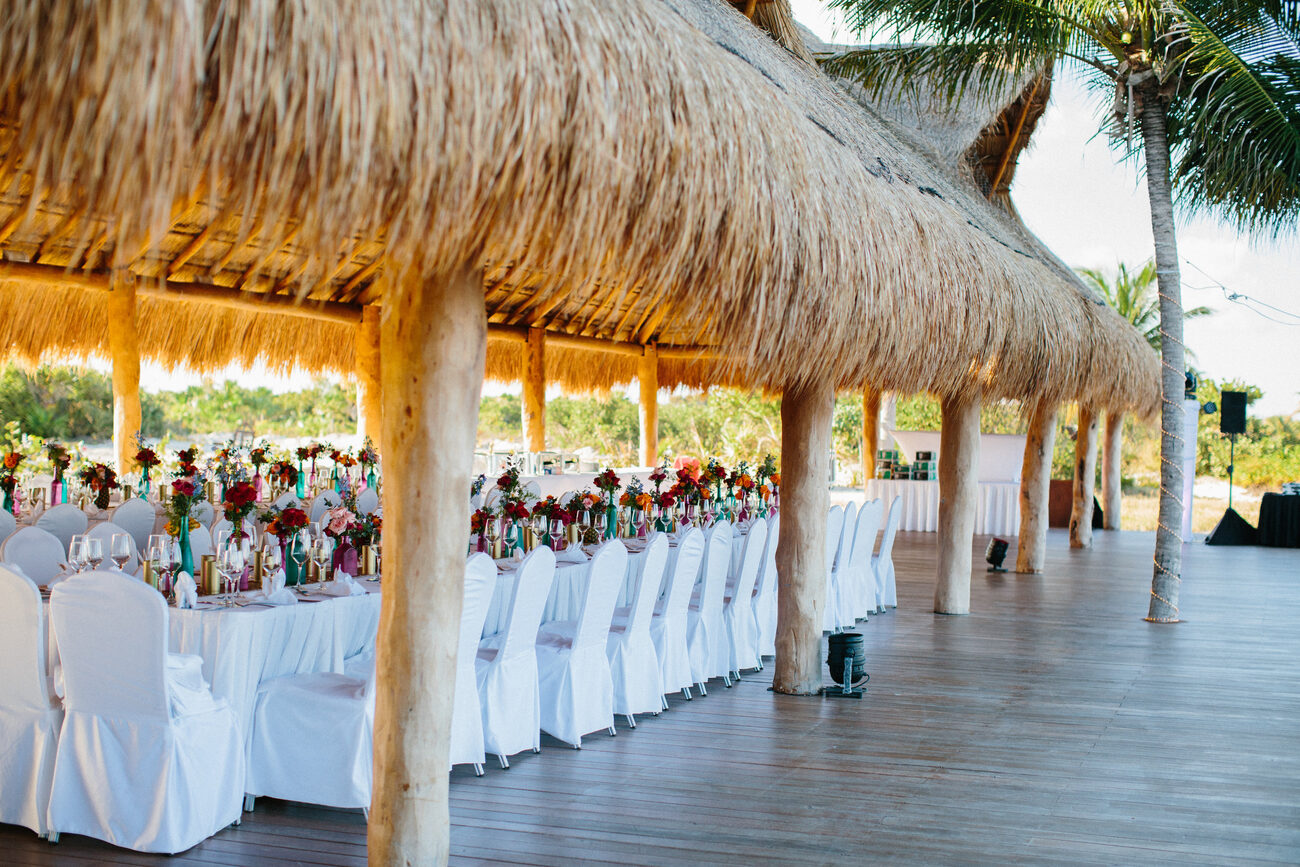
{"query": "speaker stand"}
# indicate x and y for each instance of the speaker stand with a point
(1232, 529)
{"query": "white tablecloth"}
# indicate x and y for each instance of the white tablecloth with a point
(997, 509)
(242, 647)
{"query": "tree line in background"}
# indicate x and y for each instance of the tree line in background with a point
(70, 404)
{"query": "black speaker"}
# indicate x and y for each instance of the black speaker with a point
(1232, 412)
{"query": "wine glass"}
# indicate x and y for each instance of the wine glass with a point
(94, 551)
(270, 558)
(156, 554)
(298, 548)
(321, 553)
(539, 528)
(77, 552)
(492, 529)
(376, 547)
(120, 550)
(556, 529)
(598, 521)
(220, 539)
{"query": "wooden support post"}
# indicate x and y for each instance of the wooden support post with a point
(370, 407)
(1085, 478)
(647, 374)
(124, 349)
(959, 460)
(1035, 485)
(534, 377)
(870, 433)
(1112, 466)
(801, 548)
(434, 346)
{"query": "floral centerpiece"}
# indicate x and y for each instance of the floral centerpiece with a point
(185, 462)
(284, 524)
(714, 474)
(9, 476)
(101, 479)
(303, 453)
(764, 473)
(227, 467)
(368, 457)
(476, 486)
(514, 502)
(283, 473)
(186, 491)
(147, 458)
(637, 502)
(341, 458)
(743, 482)
(479, 521)
(666, 501)
(315, 450)
(60, 460)
(237, 505)
(259, 455)
(551, 510)
(608, 484)
(338, 523)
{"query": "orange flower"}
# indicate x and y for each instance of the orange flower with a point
(643, 501)
(776, 479)
(11, 460)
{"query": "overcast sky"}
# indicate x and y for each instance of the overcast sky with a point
(1091, 209)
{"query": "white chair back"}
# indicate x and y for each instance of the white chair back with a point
(64, 522)
(717, 563)
(323, 502)
(203, 513)
(285, 500)
(466, 715)
(111, 631)
(38, 553)
(367, 501)
(864, 534)
(751, 562)
(137, 517)
(690, 552)
(106, 530)
(492, 497)
(649, 583)
(605, 575)
(534, 490)
(532, 586)
(834, 532)
(766, 582)
(845, 553)
(891, 527)
(22, 645)
(8, 523)
(200, 543)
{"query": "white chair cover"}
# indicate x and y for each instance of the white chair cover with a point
(668, 625)
(466, 713)
(38, 553)
(706, 631)
(833, 618)
(217, 526)
(506, 664)
(30, 715)
(312, 740)
(859, 580)
(883, 563)
(323, 502)
(367, 501)
(137, 517)
(285, 500)
(8, 523)
(64, 522)
(633, 662)
(204, 513)
(765, 590)
(200, 543)
(738, 606)
(105, 531)
(147, 759)
(576, 687)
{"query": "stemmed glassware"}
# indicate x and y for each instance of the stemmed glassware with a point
(376, 546)
(598, 521)
(492, 529)
(94, 551)
(156, 553)
(77, 552)
(321, 552)
(298, 548)
(120, 550)
(270, 558)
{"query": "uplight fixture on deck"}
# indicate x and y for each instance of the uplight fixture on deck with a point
(995, 553)
(847, 659)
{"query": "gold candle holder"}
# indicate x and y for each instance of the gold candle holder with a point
(164, 494)
(255, 576)
(210, 490)
(498, 548)
(313, 572)
(211, 580)
(127, 490)
(150, 577)
(530, 539)
(365, 560)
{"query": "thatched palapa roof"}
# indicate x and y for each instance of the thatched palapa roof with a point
(653, 171)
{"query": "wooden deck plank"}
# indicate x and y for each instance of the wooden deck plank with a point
(1051, 725)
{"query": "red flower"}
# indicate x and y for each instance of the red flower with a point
(667, 501)
(504, 481)
(240, 494)
(292, 519)
(183, 487)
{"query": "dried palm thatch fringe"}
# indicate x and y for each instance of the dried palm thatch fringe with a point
(664, 152)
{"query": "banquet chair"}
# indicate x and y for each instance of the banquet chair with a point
(574, 682)
(367, 501)
(323, 502)
(633, 663)
(8, 524)
(765, 591)
(861, 580)
(30, 713)
(204, 513)
(706, 630)
(105, 531)
(738, 604)
(287, 499)
(200, 542)
(312, 740)
(137, 517)
(37, 553)
(466, 712)
(882, 565)
(668, 624)
(831, 618)
(506, 664)
(147, 758)
(64, 522)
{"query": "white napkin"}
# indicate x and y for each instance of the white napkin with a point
(275, 593)
(571, 554)
(343, 585)
(187, 592)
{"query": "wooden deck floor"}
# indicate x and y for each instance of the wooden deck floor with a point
(1051, 725)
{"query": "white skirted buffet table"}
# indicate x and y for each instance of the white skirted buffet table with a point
(997, 509)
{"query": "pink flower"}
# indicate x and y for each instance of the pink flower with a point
(339, 519)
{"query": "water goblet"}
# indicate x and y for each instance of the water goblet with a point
(94, 551)
(120, 550)
(77, 552)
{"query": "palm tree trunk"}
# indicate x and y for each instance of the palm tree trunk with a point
(1168, 554)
